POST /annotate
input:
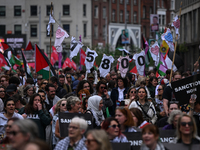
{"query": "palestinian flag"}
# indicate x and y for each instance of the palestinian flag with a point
(145, 45)
(26, 67)
(178, 62)
(3, 63)
(29, 46)
(42, 64)
(162, 66)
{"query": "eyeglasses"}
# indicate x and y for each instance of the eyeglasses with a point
(73, 127)
(133, 92)
(7, 126)
(90, 140)
(45, 83)
(114, 126)
(63, 104)
(159, 89)
(14, 133)
(2, 91)
(186, 123)
(3, 80)
(86, 86)
(103, 87)
(68, 77)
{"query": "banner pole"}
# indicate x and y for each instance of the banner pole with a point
(50, 44)
(175, 48)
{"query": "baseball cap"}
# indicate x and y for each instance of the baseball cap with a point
(11, 88)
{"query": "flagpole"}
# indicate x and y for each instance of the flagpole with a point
(175, 48)
(50, 45)
(80, 53)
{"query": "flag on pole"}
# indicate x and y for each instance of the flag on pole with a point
(54, 56)
(42, 64)
(83, 56)
(26, 67)
(3, 63)
(74, 47)
(29, 46)
(68, 63)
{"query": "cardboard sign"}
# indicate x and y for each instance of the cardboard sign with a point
(135, 138)
(184, 88)
(65, 119)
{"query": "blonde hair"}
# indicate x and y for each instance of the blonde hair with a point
(57, 108)
(102, 139)
(194, 132)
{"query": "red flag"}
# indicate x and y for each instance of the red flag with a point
(68, 63)
(5, 46)
(83, 55)
(29, 46)
(54, 56)
(134, 70)
(2, 60)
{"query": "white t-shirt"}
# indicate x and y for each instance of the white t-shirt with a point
(123, 65)
(140, 62)
(105, 65)
(90, 58)
(74, 47)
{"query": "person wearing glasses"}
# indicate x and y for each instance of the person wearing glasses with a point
(22, 132)
(4, 81)
(150, 137)
(6, 140)
(131, 96)
(43, 84)
(61, 106)
(112, 128)
(102, 90)
(186, 131)
(84, 84)
(35, 111)
(75, 139)
(2, 93)
(9, 112)
(97, 140)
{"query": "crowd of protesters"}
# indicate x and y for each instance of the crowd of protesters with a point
(29, 109)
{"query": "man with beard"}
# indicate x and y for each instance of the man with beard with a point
(75, 139)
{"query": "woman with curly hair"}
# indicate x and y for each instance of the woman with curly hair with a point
(84, 84)
(35, 111)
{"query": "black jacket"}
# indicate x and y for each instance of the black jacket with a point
(60, 92)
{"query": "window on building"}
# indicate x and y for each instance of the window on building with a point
(144, 12)
(84, 30)
(127, 1)
(104, 12)
(144, 31)
(158, 3)
(135, 2)
(66, 27)
(121, 1)
(121, 16)
(18, 29)
(135, 17)
(172, 17)
(96, 11)
(163, 20)
(113, 15)
(194, 24)
(84, 10)
(96, 31)
(17, 11)
(113, 1)
(48, 9)
(34, 10)
(127, 16)
(51, 31)
(2, 10)
(160, 16)
(2, 29)
(48, 50)
(162, 3)
(66, 10)
(172, 4)
(104, 32)
(150, 10)
(33, 30)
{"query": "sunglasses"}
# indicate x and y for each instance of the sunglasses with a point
(9, 126)
(159, 89)
(103, 87)
(63, 104)
(114, 126)
(14, 133)
(2, 91)
(44, 83)
(68, 77)
(186, 123)
(89, 141)
(3, 80)
(133, 92)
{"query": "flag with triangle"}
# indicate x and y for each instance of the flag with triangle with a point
(26, 67)
(3, 63)
(83, 56)
(29, 46)
(42, 64)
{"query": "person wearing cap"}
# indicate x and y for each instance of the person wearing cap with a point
(39, 80)
(11, 90)
(74, 85)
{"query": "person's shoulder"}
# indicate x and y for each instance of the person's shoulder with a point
(18, 115)
(62, 144)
